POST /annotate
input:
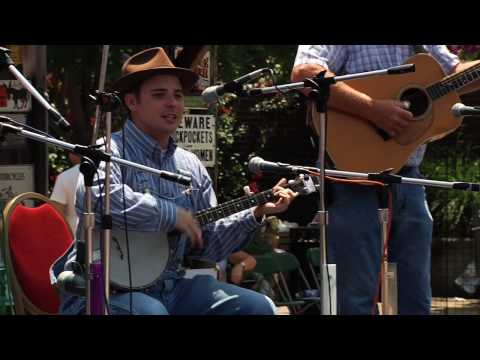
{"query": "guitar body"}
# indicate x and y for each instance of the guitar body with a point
(354, 144)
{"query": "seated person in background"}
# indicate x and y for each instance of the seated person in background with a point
(242, 263)
(64, 191)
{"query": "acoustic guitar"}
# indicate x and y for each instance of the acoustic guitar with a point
(150, 251)
(355, 144)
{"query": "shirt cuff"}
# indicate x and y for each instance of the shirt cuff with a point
(305, 61)
(251, 222)
(167, 214)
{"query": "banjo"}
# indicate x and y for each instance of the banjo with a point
(150, 251)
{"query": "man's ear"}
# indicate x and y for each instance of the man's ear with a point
(130, 101)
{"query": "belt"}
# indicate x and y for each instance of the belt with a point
(407, 169)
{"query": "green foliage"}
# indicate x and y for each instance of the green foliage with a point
(234, 115)
(58, 159)
(237, 60)
(457, 162)
(454, 159)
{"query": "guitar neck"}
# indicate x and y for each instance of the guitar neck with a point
(228, 208)
(454, 82)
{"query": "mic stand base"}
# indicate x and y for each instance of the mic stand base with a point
(328, 272)
(95, 290)
(329, 277)
(97, 304)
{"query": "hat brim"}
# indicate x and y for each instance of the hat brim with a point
(126, 83)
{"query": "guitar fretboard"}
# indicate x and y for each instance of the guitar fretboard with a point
(454, 82)
(233, 206)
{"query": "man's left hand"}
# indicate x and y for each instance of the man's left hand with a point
(285, 197)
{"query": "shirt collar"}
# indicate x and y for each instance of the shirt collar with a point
(145, 143)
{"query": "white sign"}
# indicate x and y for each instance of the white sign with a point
(14, 97)
(14, 140)
(196, 133)
(14, 180)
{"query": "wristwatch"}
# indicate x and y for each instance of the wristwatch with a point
(244, 266)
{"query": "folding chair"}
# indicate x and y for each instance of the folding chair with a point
(313, 259)
(34, 236)
(273, 266)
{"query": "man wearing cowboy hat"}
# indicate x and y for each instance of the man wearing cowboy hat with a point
(153, 89)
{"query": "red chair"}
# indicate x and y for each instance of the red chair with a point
(35, 235)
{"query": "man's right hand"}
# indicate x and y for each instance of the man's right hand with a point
(187, 224)
(390, 115)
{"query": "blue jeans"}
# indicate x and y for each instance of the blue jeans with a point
(202, 295)
(354, 245)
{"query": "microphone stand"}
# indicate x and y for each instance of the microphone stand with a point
(99, 299)
(319, 96)
(106, 103)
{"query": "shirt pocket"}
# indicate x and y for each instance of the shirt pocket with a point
(142, 182)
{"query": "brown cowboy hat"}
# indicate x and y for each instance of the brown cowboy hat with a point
(148, 63)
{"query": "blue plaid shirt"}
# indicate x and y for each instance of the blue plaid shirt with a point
(151, 201)
(351, 59)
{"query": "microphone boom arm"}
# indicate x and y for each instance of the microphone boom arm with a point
(307, 83)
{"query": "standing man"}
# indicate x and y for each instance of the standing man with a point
(353, 231)
(64, 191)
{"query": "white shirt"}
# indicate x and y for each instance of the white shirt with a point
(64, 192)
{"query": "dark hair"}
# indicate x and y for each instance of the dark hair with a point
(136, 92)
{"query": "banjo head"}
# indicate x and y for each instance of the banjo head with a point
(148, 254)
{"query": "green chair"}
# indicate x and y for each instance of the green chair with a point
(313, 259)
(274, 266)
(6, 298)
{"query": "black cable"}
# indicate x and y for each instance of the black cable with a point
(102, 241)
(126, 225)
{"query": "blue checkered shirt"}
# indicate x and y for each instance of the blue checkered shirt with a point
(351, 59)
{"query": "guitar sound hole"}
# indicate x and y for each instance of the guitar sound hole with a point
(418, 100)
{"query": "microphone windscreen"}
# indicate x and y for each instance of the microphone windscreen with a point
(254, 164)
(209, 95)
(457, 109)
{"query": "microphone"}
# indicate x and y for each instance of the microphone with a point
(459, 110)
(212, 93)
(181, 179)
(257, 165)
(59, 119)
(72, 283)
